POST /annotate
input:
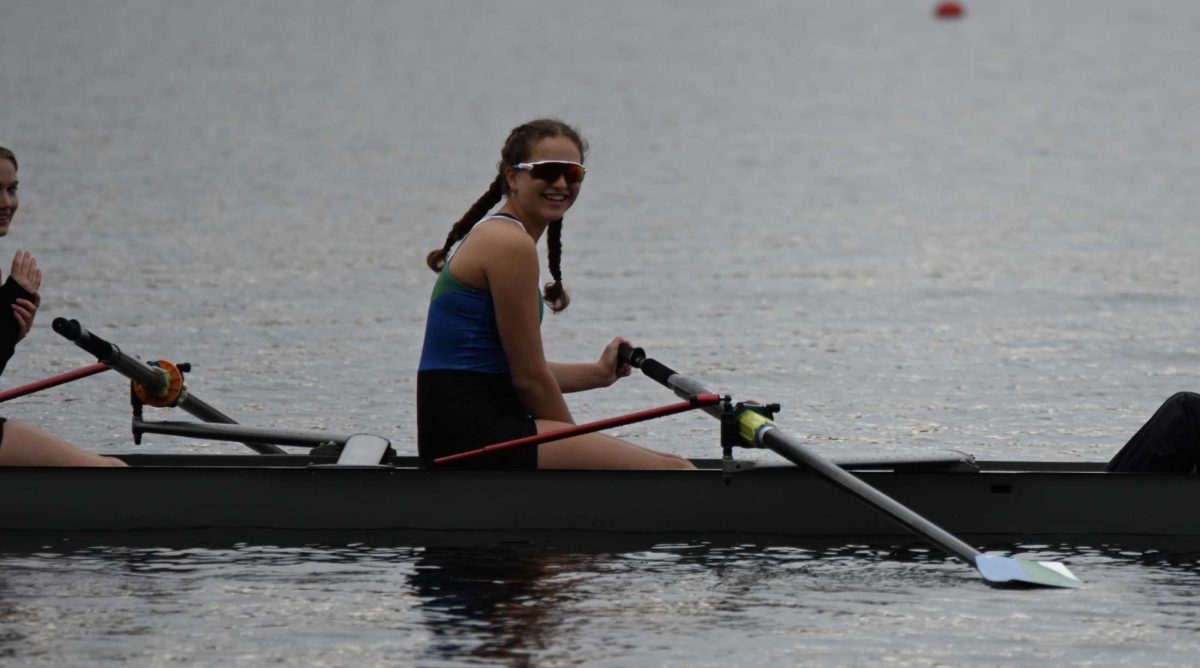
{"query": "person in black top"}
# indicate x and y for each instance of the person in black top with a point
(22, 444)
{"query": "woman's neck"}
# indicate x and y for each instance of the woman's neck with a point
(531, 225)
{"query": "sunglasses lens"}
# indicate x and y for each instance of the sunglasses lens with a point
(550, 171)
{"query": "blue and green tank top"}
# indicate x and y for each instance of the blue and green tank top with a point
(460, 331)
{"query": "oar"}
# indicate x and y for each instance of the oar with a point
(758, 430)
(153, 379)
(53, 381)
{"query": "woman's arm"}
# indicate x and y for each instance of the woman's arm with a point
(578, 377)
(510, 266)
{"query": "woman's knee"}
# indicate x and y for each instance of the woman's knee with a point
(1189, 401)
(26, 445)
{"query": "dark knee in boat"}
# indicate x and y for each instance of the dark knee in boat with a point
(1190, 400)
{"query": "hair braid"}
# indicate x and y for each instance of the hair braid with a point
(437, 258)
(556, 296)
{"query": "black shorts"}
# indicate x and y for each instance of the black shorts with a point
(459, 411)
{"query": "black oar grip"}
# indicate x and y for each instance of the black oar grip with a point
(630, 355)
(73, 331)
(69, 329)
(637, 357)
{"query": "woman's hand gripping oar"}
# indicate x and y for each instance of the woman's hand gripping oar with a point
(758, 430)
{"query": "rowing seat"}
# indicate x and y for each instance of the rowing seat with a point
(365, 450)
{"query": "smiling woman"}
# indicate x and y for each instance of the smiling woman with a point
(22, 444)
(483, 375)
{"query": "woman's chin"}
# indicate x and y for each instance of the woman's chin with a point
(554, 211)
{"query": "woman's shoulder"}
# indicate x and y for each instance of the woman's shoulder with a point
(502, 234)
(494, 247)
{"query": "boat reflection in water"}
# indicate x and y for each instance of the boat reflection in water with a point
(455, 598)
(499, 603)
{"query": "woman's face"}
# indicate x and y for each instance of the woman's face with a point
(8, 194)
(541, 199)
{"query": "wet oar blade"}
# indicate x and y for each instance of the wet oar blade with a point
(1010, 572)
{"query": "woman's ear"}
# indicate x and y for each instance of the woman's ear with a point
(510, 176)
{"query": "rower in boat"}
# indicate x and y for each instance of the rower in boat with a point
(483, 376)
(23, 444)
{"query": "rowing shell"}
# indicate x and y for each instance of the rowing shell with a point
(1001, 502)
(164, 386)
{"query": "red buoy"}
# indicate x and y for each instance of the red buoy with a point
(949, 10)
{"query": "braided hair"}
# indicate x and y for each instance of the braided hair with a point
(517, 149)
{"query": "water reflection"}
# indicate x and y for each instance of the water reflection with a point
(497, 604)
(479, 600)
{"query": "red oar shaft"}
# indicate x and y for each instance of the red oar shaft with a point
(697, 401)
(38, 386)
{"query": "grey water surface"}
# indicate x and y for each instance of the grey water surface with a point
(913, 234)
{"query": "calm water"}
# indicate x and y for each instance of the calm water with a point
(913, 234)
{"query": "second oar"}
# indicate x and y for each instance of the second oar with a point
(152, 381)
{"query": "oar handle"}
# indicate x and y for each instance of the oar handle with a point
(636, 357)
(142, 374)
(631, 356)
(73, 331)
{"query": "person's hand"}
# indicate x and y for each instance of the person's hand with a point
(25, 272)
(610, 361)
(24, 310)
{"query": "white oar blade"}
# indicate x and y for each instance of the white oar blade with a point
(1006, 571)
